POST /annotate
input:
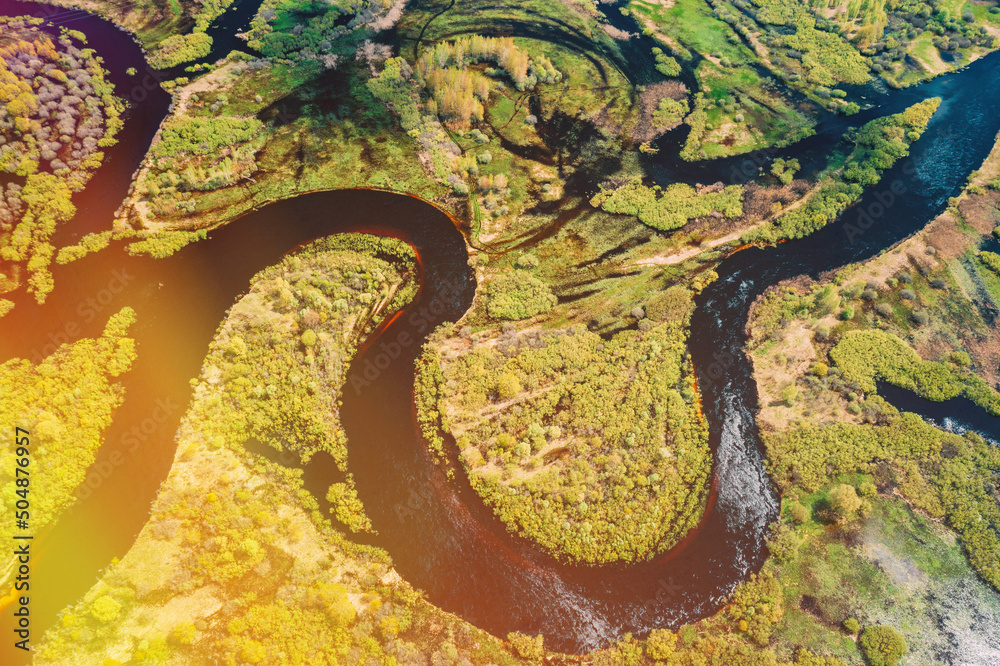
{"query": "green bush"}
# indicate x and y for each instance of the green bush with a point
(882, 645)
(669, 112)
(991, 260)
(844, 502)
(529, 648)
(661, 644)
(672, 208)
(518, 295)
(105, 609)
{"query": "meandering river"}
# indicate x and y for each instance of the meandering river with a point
(440, 536)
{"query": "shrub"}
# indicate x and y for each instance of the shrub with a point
(991, 260)
(851, 626)
(961, 359)
(105, 609)
(799, 512)
(844, 502)
(882, 645)
(526, 647)
(884, 309)
(669, 112)
(673, 303)
(518, 295)
(661, 644)
(907, 295)
(920, 318)
(509, 386)
(183, 633)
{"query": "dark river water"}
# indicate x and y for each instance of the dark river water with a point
(440, 536)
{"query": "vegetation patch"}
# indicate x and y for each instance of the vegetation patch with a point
(595, 450)
(59, 112)
(65, 402)
(672, 207)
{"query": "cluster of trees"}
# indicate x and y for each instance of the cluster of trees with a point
(816, 50)
(880, 143)
(698, 122)
(871, 36)
(321, 31)
(666, 65)
(178, 49)
(883, 141)
(282, 352)
(59, 112)
(594, 450)
(196, 154)
(670, 208)
(669, 112)
(785, 170)
(942, 473)
(517, 295)
(457, 92)
(991, 259)
(864, 355)
(65, 402)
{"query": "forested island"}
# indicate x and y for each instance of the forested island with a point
(612, 169)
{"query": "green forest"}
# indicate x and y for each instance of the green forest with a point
(595, 450)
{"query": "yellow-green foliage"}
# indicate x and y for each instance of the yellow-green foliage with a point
(163, 243)
(595, 450)
(866, 355)
(518, 295)
(671, 208)
(65, 402)
(879, 145)
(942, 473)
(346, 506)
(826, 56)
(178, 49)
(991, 259)
(195, 154)
(756, 606)
(271, 386)
(55, 149)
(882, 645)
(93, 242)
(457, 92)
(669, 112)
